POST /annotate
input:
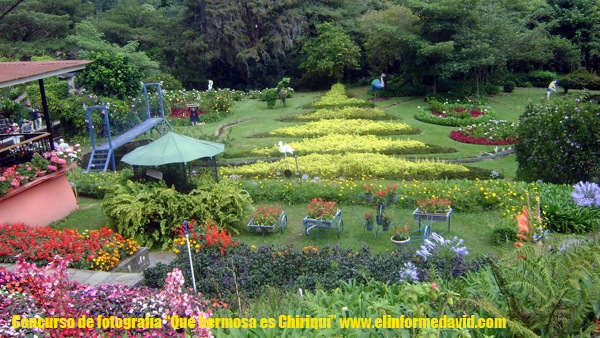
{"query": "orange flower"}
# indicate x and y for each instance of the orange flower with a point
(521, 236)
(523, 222)
(518, 244)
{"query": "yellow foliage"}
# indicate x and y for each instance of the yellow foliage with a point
(344, 113)
(340, 126)
(352, 164)
(345, 143)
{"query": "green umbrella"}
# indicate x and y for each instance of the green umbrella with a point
(173, 148)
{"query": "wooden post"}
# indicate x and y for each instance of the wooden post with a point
(46, 113)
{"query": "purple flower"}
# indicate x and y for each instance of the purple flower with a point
(586, 194)
(409, 272)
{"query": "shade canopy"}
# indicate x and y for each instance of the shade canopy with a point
(173, 148)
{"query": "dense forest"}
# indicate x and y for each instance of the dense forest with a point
(252, 44)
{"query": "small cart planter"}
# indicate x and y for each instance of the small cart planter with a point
(335, 223)
(429, 219)
(281, 222)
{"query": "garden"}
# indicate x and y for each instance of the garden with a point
(375, 213)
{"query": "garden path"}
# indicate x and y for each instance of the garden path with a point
(96, 278)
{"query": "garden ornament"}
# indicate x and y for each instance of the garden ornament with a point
(378, 84)
(284, 149)
(210, 84)
(551, 87)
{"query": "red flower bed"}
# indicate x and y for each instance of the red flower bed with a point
(180, 113)
(474, 113)
(100, 249)
(204, 236)
(457, 136)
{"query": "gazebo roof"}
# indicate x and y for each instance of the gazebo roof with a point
(13, 73)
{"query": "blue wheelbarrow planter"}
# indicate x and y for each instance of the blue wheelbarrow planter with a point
(335, 223)
(281, 222)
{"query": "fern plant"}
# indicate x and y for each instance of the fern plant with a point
(540, 290)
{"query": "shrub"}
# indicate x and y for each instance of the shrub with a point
(271, 96)
(580, 79)
(504, 233)
(151, 213)
(562, 214)
(491, 90)
(337, 97)
(559, 142)
(540, 78)
(290, 268)
(509, 86)
(166, 80)
(111, 75)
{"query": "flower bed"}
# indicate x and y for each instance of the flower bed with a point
(342, 113)
(352, 165)
(452, 116)
(337, 97)
(339, 126)
(492, 132)
(336, 143)
(32, 292)
(97, 250)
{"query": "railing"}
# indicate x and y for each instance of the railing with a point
(21, 152)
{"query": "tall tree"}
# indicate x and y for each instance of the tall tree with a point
(329, 54)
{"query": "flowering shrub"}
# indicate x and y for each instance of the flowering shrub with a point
(203, 236)
(339, 126)
(369, 217)
(368, 188)
(434, 205)
(60, 158)
(46, 292)
(335, 143)
(559, 142)
(97, 250)
(492, 132)
(266, 215)
(392, 189)
(319, 209)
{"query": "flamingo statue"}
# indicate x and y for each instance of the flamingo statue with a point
(284, 149)
(378, 84)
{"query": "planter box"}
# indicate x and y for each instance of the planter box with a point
(39, 202)
(281, 222)
(432, 217)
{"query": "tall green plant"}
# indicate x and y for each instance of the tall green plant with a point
(550, 291)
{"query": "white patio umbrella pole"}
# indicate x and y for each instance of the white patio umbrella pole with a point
(187, 239)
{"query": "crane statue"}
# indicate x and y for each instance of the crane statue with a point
(377, 85)
(284, 149)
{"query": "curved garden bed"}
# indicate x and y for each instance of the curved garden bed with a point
(492, 132)
(455, 117)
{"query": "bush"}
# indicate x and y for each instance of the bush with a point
(540, 78)
(559, 142)
(426, 116)
(288, 268)
(504, 233)
(271, 96)
(562, 214)
(151, 213)
(491, 90)
(509, 86)
(111, 75)
(580, 79)
(166, 80)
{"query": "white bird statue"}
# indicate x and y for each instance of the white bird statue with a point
(62, 145)
(284, 149)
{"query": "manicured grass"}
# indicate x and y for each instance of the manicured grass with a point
(89, 216)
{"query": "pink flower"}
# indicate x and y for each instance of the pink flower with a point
(434, 286)
(51, 167)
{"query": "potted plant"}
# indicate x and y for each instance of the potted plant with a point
(385, 222)
(368, 192)
(321, 210)
(392, 196)
(401, 236)
(370, 225)
(266, 217)
(40, 164)
(438, 209)
(381, 197)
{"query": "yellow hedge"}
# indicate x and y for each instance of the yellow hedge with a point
(340, 126)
